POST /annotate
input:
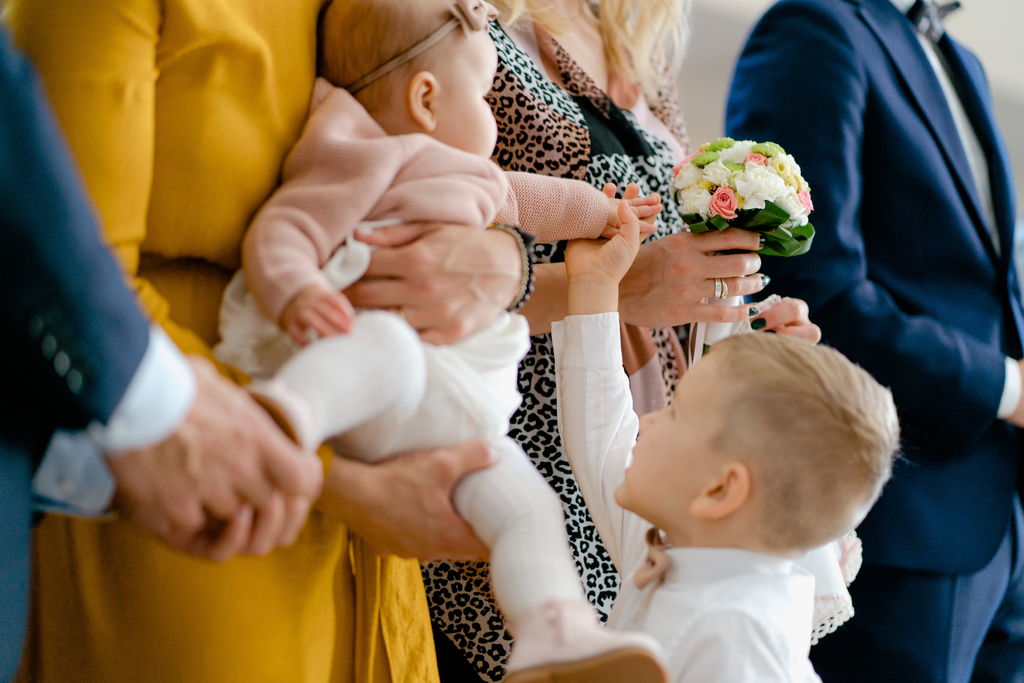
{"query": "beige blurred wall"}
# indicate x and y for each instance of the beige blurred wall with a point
(992, 28)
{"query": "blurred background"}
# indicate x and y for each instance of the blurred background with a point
(991, 28)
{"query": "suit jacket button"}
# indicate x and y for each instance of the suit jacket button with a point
(61, 363)
(74, 381)
(48, 346)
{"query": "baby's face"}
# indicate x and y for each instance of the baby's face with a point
(674, 454)
(464, 118)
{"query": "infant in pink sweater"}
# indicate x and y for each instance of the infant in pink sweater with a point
(407, 138)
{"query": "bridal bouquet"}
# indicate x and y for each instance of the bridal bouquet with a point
(749, 185)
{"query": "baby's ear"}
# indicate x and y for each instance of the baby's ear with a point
(421, 98)
(724, 494)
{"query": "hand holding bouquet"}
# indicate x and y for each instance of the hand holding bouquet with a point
(749, 185)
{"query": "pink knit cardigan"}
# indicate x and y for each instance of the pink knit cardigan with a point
(345, 170)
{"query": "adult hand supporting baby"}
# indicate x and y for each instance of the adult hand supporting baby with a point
(403, 505)
(449, 281)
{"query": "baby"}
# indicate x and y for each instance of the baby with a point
(399, 131)
(772, 447)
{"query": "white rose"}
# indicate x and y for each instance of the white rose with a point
(737, 154)
(792, 205)
(695, 200)
(757, 185)
(688, 176)
(717, 173)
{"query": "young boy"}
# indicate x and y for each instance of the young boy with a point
(772, 447)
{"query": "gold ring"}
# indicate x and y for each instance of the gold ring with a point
(721, 288)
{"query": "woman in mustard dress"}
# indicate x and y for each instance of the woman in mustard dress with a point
(180, 113)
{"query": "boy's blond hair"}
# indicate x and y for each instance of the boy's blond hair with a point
(357, 36)
(818, 432)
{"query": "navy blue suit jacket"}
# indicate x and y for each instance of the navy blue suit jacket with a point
(903, 276)
(71, 335)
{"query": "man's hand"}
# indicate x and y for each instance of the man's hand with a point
(1016, 418)
(403, 505)
(449, 281)
(227, 481)
(319, 310)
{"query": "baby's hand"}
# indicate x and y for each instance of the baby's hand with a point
(644, 208)
(316, 312)
(595, 267)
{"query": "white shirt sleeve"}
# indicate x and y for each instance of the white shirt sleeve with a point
(598, 425)
(1011, 390)
(73, 477)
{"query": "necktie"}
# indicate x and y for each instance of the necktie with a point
(927, 16)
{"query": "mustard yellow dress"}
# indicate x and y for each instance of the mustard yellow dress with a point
(179, 113)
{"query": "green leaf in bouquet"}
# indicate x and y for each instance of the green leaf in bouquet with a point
(718, 145)
(733, 166)
(700, 227)
(702, 160)
(769, 149)
(792, 241)
(771, 216)
(692, 218)
(718, 222)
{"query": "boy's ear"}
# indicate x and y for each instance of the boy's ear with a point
(421, 99)
(724, 494)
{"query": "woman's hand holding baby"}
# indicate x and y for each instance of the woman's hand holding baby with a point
(319, 311)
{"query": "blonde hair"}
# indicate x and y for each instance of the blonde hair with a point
(818, 433)
(643, 39)
(357, 36)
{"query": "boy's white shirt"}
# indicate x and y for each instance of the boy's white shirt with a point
(721, 614)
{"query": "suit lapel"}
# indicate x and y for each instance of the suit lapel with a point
(977, 102)
(897, 37)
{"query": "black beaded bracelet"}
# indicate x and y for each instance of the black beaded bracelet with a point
(525, 241)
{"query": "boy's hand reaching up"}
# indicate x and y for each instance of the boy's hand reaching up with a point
(595, 267)
(316, 312)
(644, 208)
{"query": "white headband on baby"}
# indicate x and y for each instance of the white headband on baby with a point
(471, 15)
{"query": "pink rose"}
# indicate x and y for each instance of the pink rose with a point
(723, 203)
(758, 159)
(805, 198)
(678, 167)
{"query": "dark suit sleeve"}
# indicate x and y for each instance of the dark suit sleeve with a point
(801, 83)
(73, 332)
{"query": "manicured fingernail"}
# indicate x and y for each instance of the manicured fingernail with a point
(758, 324)
(752, 311)
(769, 331)
(761, 241)
(765, 280)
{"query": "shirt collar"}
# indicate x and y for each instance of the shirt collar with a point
(690, 564)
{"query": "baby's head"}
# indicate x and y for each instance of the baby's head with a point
(417, 67)
(771, 444)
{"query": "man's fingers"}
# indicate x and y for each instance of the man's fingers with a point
(296, 509)
(394, 235)
(230, 541)
(267, 526)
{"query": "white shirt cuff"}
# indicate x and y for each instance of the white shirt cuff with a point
(158, 397)
(588, 341)
(1011, 390)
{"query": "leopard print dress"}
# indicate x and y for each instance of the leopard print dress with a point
(577, 132)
